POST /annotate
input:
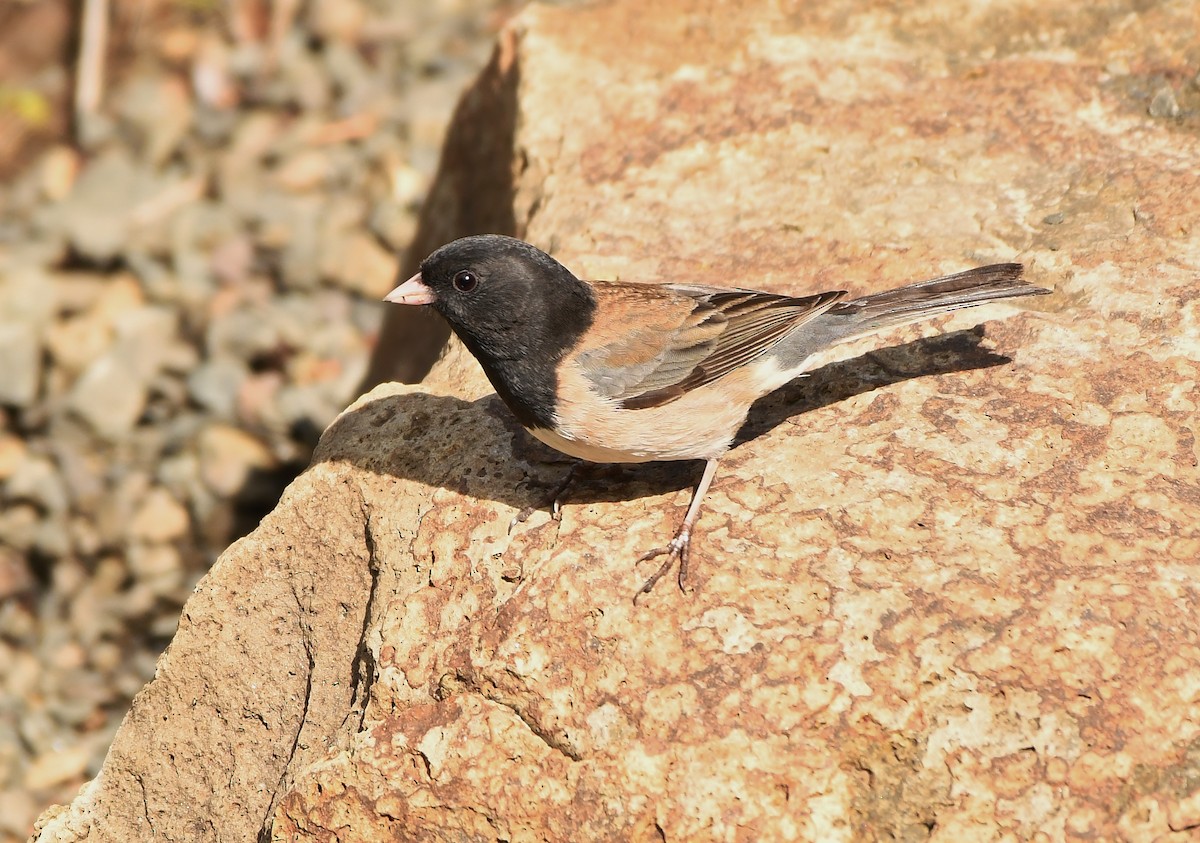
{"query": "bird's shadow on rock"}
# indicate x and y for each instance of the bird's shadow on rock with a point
(423, 437)
(957, 351)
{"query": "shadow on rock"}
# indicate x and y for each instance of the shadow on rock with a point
(478, 449)
(958, 351)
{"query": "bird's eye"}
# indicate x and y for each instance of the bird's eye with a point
(466, 281)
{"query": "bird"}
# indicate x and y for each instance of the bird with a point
(626, 372)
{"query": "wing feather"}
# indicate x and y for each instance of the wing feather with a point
(723, 329)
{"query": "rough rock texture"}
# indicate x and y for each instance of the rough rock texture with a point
(935, 597)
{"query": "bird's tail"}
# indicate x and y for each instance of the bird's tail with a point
(858, 317)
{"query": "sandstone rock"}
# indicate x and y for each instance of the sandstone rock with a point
(934, 597)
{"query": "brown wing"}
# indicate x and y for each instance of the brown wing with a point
(719, 331)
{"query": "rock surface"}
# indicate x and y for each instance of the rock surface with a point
(935, 597)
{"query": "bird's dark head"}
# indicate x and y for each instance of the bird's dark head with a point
(499, 293)
(516, 308)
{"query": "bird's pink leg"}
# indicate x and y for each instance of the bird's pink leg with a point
(678, 547)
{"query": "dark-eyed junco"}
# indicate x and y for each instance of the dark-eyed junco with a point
(611, 371)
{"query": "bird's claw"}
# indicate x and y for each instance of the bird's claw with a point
(520, 518)
(523, 516)
(554, 502)
(677, 548)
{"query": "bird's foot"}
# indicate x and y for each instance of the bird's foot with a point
(676, 549)
(552, 501)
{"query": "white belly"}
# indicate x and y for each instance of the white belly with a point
(587, 450)
(700, 425)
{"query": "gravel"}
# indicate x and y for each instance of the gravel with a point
(188, 295)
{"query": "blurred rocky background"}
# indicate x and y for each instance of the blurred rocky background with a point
(201, 202)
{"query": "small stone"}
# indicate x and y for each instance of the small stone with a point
(109, 396)
(105, 656)
(229, 456)
(69, 656)
(109, 577)
(51, 538)
(69, 578)
(18, 526)
(212, 75)
(256, 396)
(356, 261)
(73, 709)
(165, 625)
(215, 385)
(75, 292)
(177, 358)
(306, 408)
(37, 481)
(394, 224)
(233, 260)
(20, 374)
(408, 185)
(256, 135)
(360, 91)
(303, 80)
(26, 295)
(59, 169)
(74, 343)
(300, 263)
(304, 171)
(1054, 219)
(22, 675)
(158, 567)
(178, 44)
(139, 600)
(112, 392)
(95, 217)
(82, 470)
(57, 767)
(15, 577)
(85, 538)
(145, 337)
(12, 453)
(245, 333)
(337, 20)
(121, 293)
(160, 518)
